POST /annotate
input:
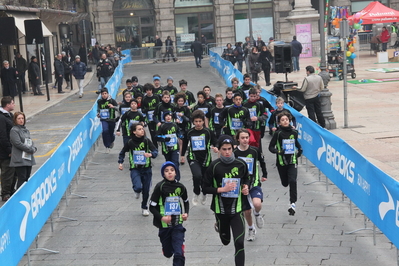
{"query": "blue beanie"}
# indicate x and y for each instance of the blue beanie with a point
(165, 164)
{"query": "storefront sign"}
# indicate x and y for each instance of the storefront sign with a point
(133, 4)
(183, 3)
(190, 37)
(304, 36)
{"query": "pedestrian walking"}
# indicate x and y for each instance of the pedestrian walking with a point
(79, 71)
(106, 111)
(197, 49)
(9, 76)
(226, 179)
(286, 146)
(105, 69)
(8, 177)
(34, 76)
(296, 47)
(141, 150)
(22, 150)
(170, 206)
(311, 87)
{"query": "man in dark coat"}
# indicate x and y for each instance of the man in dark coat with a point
(296, 51)
(9, 77)
(59, 72)
(196, 49)
(8, 178)
(22, 66)
(157, 48)
(34, 76)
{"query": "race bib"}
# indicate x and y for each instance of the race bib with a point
(173, 140)
(151, 115)
(205, 110)
(247, 93)
(172, 206)
(104, 113)
(216, 118)
(179, 118)
(289, 146)
(198, 143)
(236, 123)
(234, 193)
(132, 121)
(250, 164)
(139, 158)
(172, 97)
(124, 110)
(252, 112)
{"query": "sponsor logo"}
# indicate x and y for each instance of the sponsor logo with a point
(337, 160)
(95, 123)
(38, 200)
(74, 150)
(388, 206)
(5, 240)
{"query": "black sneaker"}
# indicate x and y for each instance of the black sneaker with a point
(291, 209)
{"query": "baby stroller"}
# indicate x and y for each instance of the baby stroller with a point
(336, 65)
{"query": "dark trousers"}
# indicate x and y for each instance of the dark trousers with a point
(8, 177)
(108, 133)
(59, 83)
(22, 79)
(152, 127)
(169, 52)
(237, 224)
(266, 71)
(314, 110)
(288, 175)
(174, 156)
(23, 174)
(198, 172)
(254, 77)
(198, 60)
(172, 239)
(141, 181)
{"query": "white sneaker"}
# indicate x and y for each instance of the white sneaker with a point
(203, 200)
(251, 234)
(107, 150)
(136, 195)
(291, 209)
(145, 212)
(195, 200)
(259, 221)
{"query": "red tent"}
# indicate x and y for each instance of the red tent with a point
(376, 12)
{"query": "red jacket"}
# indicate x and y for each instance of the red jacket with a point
(385, 36)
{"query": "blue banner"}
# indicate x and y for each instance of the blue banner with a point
(374, 192)
(25, 213)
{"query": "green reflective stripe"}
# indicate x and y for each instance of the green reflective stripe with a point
(215, 185)
(294, 155)
(280, 158)
(256, 175)
(127, 127)
(131, 161)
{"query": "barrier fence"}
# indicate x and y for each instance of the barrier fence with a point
(25, 213)
(374, 192)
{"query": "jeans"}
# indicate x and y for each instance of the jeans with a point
(8, 177)
(239, 65)
(141, 181)
(108, 133)
(295, 63)
(80, 85)
(103, 81)
(173, 156)
(198, 60)
(23, 174)
(172, 239)
(314, 110)
(384, 46)
(198, 172)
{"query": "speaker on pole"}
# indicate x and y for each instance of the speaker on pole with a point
(283, 58)
(34, 31)
(8, 31)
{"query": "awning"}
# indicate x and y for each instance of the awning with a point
(20, 24)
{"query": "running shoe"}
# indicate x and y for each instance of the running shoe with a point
(107, 150)
(216, 226)
(291, 209)
(145, 212)
(111, 146)
(195, 200)
(251, 234)
(203, 200)
(259, 221)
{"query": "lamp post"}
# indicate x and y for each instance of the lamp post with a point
(250, 20)
(325, 94)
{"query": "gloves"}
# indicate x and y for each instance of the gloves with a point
(167, 139)
(299, 153)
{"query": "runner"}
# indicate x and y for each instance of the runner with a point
(227, 180)
(170, 206)
(199, 152)
(141, 150)
(133, 116)
(253, 157)
(106, 111)
(283, 144)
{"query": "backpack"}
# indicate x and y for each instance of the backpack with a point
(258, 67)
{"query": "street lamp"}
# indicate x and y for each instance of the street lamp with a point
(250, 20)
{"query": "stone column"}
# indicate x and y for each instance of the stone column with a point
(224, 22)
(104, 20)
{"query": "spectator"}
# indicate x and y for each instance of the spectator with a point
(34, 76)
(67, 61)
(96, 53)
(22, 66)
(228, 54)
(311, 87)
(270, 47)
(8, 179)
(22, 149)
(79, 72)
(9, 77)
(203, 42)
(169, 50)
(247, 51)
(157, 49)
(105, 69)
(253, 60)
(239, 53)
(259, 43)
(196, 49)
(83, 53)
(265, 58)
(296, 51)
(384, 37)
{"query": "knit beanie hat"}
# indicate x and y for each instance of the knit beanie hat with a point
(166, 164)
